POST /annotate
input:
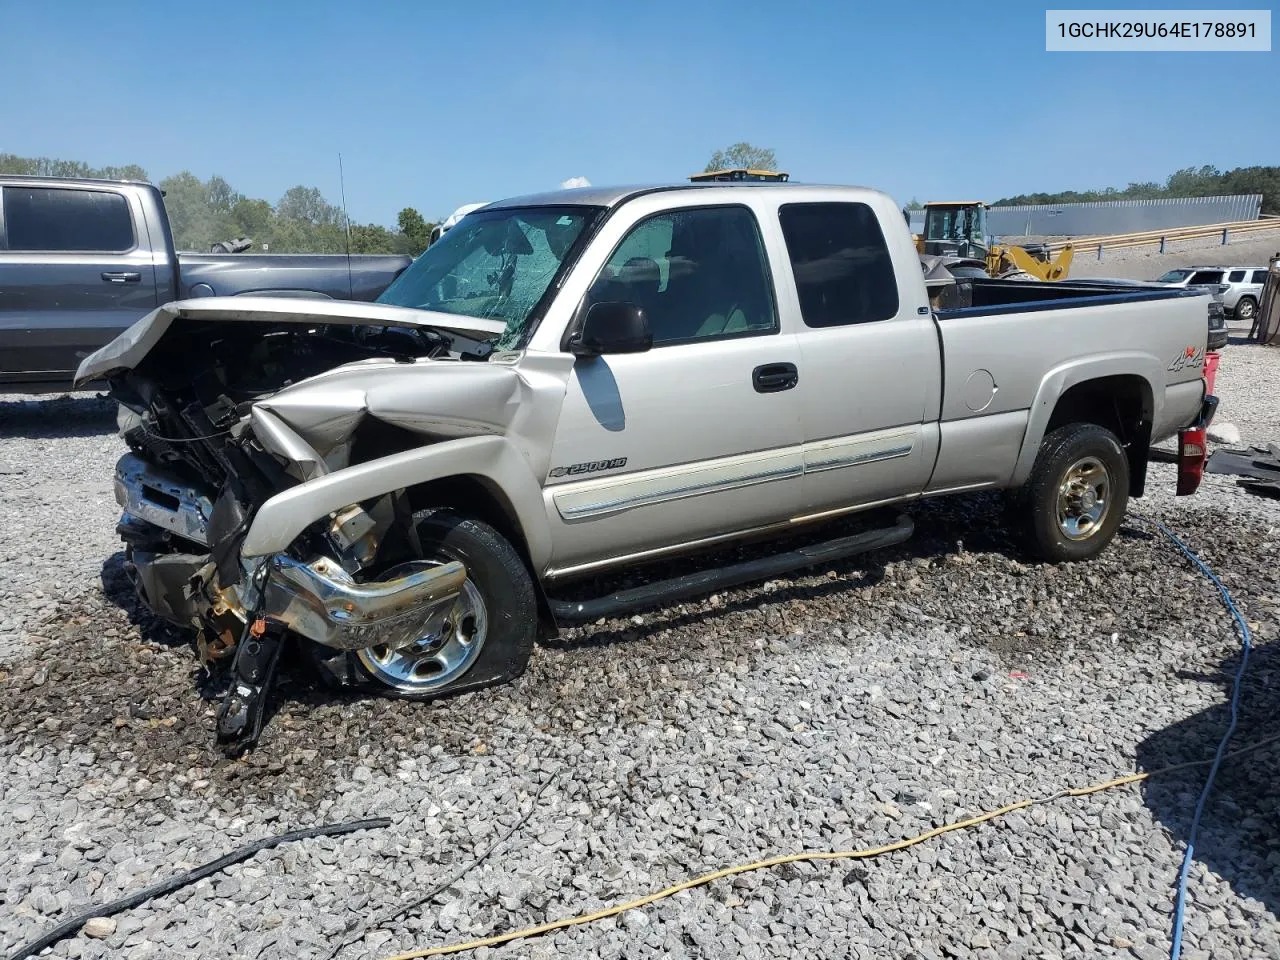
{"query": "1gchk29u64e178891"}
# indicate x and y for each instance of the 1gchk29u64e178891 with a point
(593, 378)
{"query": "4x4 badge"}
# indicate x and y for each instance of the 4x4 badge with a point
(1190, 357)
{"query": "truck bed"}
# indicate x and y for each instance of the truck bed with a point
(1011, 349)
(331, 275)
(985, 297)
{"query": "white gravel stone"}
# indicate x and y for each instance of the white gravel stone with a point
(99, 928)
(1224, 433)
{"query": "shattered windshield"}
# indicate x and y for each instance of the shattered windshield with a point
(494, 264)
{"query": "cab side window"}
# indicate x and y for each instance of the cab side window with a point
(843, 270)
(698, 274)
(59, 220)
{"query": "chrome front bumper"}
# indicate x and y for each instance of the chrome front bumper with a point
(320, 600)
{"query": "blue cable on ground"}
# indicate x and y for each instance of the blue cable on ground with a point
(1246, 638)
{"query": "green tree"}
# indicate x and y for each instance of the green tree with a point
(1192, 182)
(130, 171)
(1202, 181)
(193, 222)
(308, 205)
(219, 195)
(251, 218)
(45, 167)
(16, 166)
(744, 155)
(1146, 190)
(415, 230)
(371, 238)
(1263, 180)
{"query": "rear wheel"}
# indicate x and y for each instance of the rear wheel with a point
(1072, 505)
(1246, 309)
(485, 638)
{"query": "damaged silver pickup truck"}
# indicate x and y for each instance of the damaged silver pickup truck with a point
(591, 379)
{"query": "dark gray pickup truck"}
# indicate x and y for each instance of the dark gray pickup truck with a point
(82, 260)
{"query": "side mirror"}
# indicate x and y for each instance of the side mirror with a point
(612, 327)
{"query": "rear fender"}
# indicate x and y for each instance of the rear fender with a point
(1062, 378)
(281, 519)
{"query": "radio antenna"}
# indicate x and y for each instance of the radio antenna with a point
(346, 222)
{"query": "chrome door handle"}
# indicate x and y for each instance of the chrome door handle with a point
(122, 277)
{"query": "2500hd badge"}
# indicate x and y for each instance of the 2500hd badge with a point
(594, 466)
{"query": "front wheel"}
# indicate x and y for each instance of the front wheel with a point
(1075, 498)
(1246, 309)
(485, 638)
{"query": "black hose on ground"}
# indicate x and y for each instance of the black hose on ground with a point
(69, 927)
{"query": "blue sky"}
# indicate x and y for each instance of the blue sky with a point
(437, 104)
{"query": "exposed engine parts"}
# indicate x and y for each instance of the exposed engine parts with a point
(204, 458)
(243, 709)
(319, 599)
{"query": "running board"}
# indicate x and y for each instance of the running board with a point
(707, 581)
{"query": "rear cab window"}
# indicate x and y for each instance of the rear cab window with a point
(62, 220)
(843, 271)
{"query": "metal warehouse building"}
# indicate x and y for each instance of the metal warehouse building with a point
(1113, 216)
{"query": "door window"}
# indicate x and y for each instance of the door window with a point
(56, 219)
(1205, 276)
(698, 274)
(1259, 276)
(1236, 276)
(841, 263)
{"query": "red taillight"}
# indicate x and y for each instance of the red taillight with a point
(1211, 360)
(1191, 459)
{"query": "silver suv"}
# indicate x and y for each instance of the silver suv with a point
(1243, 286)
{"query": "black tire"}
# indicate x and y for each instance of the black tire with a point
(1079, 450)
(1246, 310)
(501, 579)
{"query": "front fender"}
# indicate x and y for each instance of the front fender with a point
(279, 521)
(1062, 378)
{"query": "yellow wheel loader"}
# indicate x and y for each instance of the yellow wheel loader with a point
(957, 232)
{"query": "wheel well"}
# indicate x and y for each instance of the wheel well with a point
(471, 494)
(475, 496)
(479, 498)
(1123, 404)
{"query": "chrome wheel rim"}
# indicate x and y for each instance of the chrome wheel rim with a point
(1084, 498)
(1245, 310)
(438, 658)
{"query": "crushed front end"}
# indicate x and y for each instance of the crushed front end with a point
(206, 451)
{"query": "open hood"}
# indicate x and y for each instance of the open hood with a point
(126, 350)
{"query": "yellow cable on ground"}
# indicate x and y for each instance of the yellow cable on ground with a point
(806, 855)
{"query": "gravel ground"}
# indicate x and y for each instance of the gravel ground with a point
(843, 708)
